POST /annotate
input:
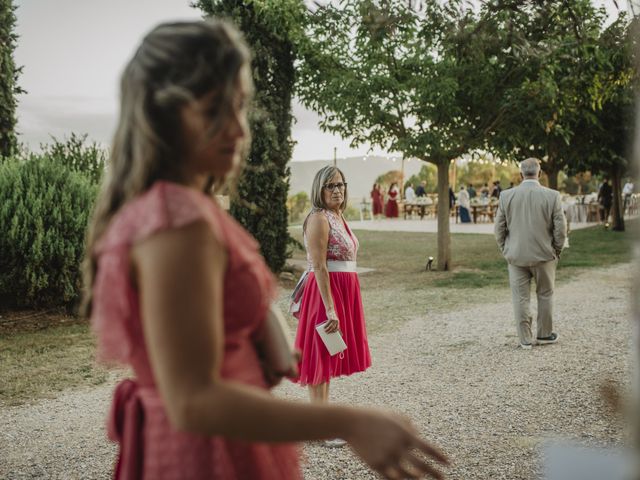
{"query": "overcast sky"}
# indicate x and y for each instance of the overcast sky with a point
(72, 53)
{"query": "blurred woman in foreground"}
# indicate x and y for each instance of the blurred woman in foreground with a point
(177, 290)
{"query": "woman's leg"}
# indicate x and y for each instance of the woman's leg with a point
(319, 393)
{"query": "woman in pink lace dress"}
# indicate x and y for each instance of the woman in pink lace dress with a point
(331, 291)
(177, 290)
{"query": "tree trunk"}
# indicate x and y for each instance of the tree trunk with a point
(444, 237)
(552, 173)
(550, 166)
(617, 213)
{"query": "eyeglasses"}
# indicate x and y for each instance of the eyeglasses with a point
(332, 186)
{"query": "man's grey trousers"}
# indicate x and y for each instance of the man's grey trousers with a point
(520, 281)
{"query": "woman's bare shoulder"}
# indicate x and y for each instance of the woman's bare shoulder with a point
(195, 240)
(318, 215)
(317, 221)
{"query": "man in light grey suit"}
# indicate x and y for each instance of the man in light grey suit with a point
(530, 229)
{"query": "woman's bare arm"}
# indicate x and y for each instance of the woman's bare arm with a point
(179, 274)
(317, 240)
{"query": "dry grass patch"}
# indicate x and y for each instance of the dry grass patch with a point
(43, 363)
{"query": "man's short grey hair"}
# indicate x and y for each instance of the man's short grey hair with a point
(530, 167)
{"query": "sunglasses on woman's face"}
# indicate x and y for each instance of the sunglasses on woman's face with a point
(332, 186)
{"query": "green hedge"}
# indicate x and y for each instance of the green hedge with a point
(44, 210)
(78, 154)
(269, 28)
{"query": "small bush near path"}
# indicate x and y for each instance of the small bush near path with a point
(77, 154)
(44, 210)
(298, 207)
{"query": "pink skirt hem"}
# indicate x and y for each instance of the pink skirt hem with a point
(316, 365)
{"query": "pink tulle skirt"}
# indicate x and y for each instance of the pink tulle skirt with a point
(316, 365)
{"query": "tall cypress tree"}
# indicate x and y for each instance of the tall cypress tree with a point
(269, 27)
(8, 79)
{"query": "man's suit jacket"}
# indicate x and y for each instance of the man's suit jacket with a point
(530, 226)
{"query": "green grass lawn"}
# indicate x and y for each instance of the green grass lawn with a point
(41, 364)
(477, 263)
(400, 288)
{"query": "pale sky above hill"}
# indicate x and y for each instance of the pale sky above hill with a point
(73, 52)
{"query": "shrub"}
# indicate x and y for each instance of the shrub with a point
(44, 210)
(351, 213)
(269, 29)
(76, 154)
(298, 206)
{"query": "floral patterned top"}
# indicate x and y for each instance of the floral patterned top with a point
(342, 244)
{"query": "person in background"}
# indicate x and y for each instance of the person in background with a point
(464, 205)
(421, 191)
(391, 208)
(605, 198)
(409, 194)
(496, 190)
(627, 192)
(376, 201)
(331, 291)
(530, 230)
(471, 191)
(177, 290)
(452, 199)
(484, 191)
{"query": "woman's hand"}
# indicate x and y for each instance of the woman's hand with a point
(274, 378)
(333, 323)
(390, 445)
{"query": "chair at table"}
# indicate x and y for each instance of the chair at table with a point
(593, 212)
(455, 211)
(365, 209)
(486, 213)
(430, 210)
(407, 210)
(402, 208)
(493, 209)
(632, 206)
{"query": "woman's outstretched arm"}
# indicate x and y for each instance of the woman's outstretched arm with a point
(179, 274)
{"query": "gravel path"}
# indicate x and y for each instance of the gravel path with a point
(458, 375)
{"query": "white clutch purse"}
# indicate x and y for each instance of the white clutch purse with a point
(333, 341)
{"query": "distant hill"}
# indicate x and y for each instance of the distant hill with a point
(360, 173)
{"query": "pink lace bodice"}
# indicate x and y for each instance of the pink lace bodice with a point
(342, 244)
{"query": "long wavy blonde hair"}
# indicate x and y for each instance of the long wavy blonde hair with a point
(176, 63)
